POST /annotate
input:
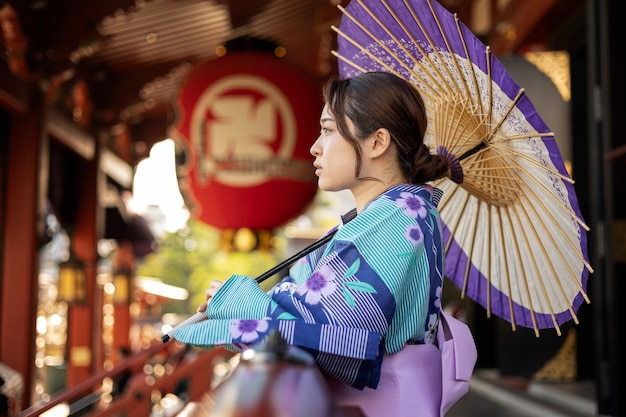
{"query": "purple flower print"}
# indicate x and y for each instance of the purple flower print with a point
(413, 205)
(319, 284)
(247, 330)
(414, 234)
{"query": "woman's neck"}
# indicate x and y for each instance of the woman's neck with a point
(368, 190)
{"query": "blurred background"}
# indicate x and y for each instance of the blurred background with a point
(111, 224)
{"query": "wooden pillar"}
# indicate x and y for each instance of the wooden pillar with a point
(82, 342)
(20, 260)
(125, 264)
(604, 109)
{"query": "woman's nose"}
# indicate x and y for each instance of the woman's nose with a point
(315, 148)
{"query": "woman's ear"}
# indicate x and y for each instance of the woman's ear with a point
(379, 142)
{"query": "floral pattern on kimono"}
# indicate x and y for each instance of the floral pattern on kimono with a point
(375, 287)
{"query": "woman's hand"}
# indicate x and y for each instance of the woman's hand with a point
(209, 293)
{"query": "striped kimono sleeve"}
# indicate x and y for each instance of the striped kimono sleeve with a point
(239, 299)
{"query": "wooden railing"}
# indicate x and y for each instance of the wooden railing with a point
(185, 372)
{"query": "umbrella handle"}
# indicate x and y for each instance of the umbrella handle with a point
(196, 318)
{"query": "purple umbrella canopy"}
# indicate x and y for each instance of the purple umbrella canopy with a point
(516, 241)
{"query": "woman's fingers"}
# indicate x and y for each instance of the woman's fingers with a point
(210, 292)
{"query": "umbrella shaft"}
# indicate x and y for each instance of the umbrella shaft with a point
(472, 151)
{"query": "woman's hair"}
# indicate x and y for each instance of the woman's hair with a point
(374, 100)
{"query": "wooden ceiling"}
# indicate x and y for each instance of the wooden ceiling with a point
(133, 54)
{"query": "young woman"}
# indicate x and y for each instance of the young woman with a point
(367, 304)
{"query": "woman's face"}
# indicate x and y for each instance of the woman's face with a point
(335, 157)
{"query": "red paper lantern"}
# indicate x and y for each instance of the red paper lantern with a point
(247, 121)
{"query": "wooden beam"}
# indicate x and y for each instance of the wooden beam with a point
(70, 134)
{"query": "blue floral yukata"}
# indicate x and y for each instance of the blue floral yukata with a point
(375, 287)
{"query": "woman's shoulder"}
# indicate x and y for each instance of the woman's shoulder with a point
(395, 209)
(404, 199)
(428, 194)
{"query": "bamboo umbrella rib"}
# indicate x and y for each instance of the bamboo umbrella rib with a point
(489, 86)
(469, 250)
(441, 126)
(497, 194)
(483, 180)
(370, 54)
(473, 124)
(540, 247)
(439, 123)
(427, 94)
(537, 274)
(482, 172)
(532, 178)
(480, 130)
(540, 202)
(440, 133)
(452, 224)
(432, 45)
(379, 42)
(498, 197)
(487, 244)
(459, 127)
(347, 61)
(492, 156)
(504, 139)
(512, 105)
(525, 136)
(521, 264)
(418, 46)
(571, 274)
(454, 55)
(568, 239)
(471, 67)
(448, 47)
(447, 195)
(505, 254)
(399, 21)
(444, 110)
(470, 254)
(491, 172)
(533, 266)
(430, 42)
(536, 214)
(501, 144)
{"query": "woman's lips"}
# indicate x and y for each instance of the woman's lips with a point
(318, 169)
